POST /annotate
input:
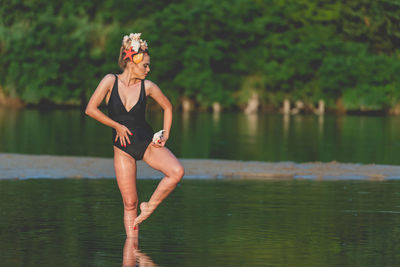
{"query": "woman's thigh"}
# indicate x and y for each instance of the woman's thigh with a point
(125, 171)
(162, 159)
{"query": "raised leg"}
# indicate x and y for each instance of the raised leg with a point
(160, 158)
(125, 170)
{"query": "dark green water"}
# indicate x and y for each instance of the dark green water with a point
(262, 137)
(48, 222)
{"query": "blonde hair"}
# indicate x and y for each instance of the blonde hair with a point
(122, 62)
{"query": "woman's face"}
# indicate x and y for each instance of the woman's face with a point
(142, 68)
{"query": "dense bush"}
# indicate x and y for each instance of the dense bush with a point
(208, 51)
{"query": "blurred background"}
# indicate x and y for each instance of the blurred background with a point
(246, 77)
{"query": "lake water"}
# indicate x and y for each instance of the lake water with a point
(78, 222)
(262, 137)
(73, 223)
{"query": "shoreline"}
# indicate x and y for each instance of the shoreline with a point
(22, 166)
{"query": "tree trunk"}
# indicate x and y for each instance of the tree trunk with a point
(83, 100)
(321, 107)
(286, 106)
(339, 105)
(10, 101)
(216, 107)
(395, 110)
(253, 104)
(186, 104)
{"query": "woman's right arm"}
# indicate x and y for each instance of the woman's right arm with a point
(92, 109)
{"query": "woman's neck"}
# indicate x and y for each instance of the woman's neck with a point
(128, 78)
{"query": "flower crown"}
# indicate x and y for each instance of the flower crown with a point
(134, 47)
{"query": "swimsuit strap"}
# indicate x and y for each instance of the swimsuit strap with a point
(142, 90)
(115, 83)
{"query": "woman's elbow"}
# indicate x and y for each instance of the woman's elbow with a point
(89, 111)
(168, 107)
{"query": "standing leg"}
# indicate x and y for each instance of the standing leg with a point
(125, 170)
(161, 159)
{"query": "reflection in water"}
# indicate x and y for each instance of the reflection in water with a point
(286, 123)
(185, 120)
(252, 124)
(339, 124)
(216, 117)
(9, 127)
(225, 135)
(133, 255)
(321, 124)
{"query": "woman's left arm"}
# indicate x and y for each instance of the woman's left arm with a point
(155, 92)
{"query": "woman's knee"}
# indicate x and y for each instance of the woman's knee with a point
(130, 204)
(177, 172)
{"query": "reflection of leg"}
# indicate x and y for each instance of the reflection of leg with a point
(144, 260)
(129, 254)
(125, 170)
(163, 160)
(132, 254)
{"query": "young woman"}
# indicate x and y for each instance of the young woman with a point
(125, 96)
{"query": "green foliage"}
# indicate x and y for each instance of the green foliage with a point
(365, 81)
(207, 50)
(50, 57)
(376, 23)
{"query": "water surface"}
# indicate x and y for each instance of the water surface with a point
(262, 137)
(71, 222)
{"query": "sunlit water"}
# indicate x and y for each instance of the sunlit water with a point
(261, 137)
(64, 222)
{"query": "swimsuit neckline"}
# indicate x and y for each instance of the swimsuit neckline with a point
(120, 100)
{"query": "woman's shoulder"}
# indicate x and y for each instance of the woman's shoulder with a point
(150, 85)
(108, 80)
(109, 77)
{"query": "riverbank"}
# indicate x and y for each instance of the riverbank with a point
(18, 166)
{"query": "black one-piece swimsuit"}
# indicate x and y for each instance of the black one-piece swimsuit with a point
(134, 120)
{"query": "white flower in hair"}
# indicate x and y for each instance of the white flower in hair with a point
(135, 36)
(143, 44)
(125, 40)
(135, 44)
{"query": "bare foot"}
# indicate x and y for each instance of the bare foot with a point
(145, 212)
